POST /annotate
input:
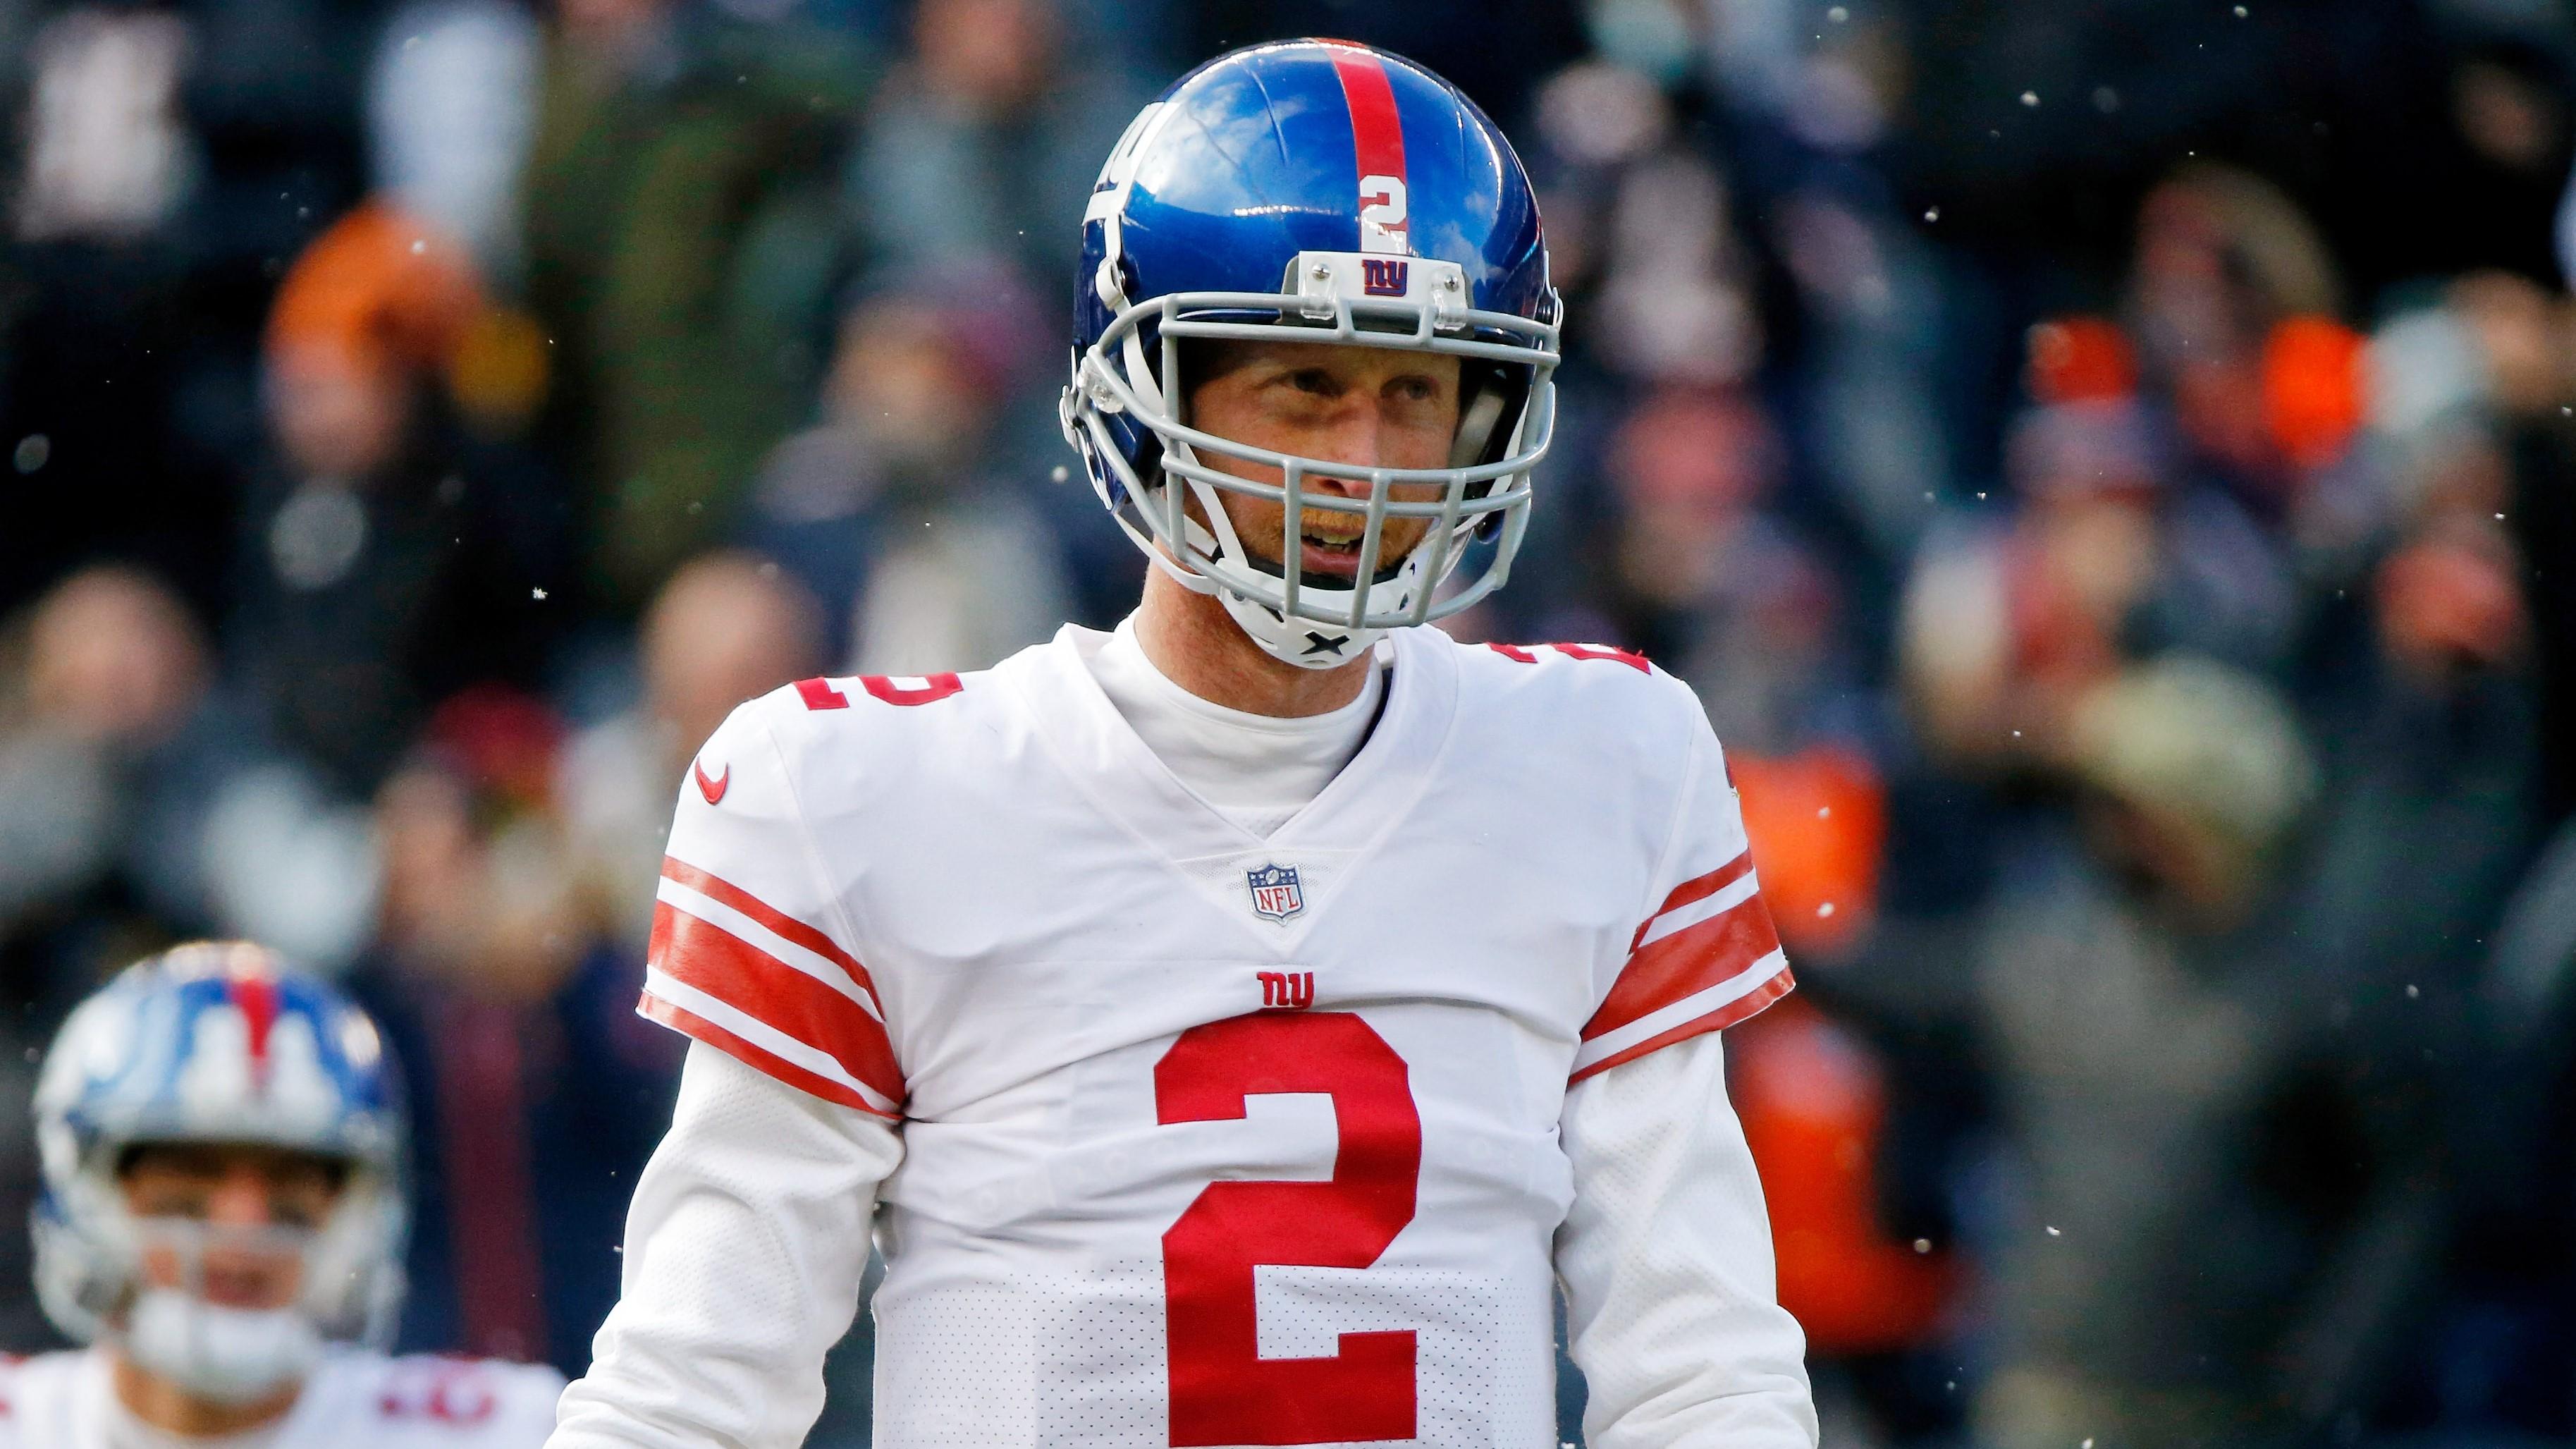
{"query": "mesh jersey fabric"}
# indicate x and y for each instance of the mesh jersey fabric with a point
(1665, 1255)
(744, 1249)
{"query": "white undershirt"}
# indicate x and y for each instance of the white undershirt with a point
(1256, 770)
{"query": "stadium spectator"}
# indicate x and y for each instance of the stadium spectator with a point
(387, 557)
(537, 1092)
(680, 245)
(726, 628)
(2131, 1030)
(984, 141)
(894, 511)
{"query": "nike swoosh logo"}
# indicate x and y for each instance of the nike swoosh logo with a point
(713, 789)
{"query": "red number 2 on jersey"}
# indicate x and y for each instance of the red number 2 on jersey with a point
(1223, 1391)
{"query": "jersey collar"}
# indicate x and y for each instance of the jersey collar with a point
(1356, 811)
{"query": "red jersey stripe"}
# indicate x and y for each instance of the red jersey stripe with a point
(774, 993)
(1687, 962)
(1697, 888)
(716, 888)
(692, 1025)
(1741, 1008)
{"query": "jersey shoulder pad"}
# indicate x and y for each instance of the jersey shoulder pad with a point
(439, 1400)
(35, 1394)
(1573, 676)
(835, 705)
(844, 732)
(1592, 701)
(825, 743)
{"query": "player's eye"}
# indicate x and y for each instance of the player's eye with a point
(173, 1202)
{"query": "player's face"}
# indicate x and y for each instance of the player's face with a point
(1370, 407)
(253, 1205)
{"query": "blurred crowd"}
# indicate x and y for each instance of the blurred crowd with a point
(2109, 469)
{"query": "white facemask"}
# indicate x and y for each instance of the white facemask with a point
(227, 1355)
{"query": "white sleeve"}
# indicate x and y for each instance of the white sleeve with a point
(1672, 1312)
(744, 1248)
(1705, 955)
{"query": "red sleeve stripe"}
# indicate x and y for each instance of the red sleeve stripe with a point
(688, 1023)
(737, 1021)
(834, 971)
(706, 958)
(1691, 892)
(1709, 953)
(1766, 989)
(775, 921)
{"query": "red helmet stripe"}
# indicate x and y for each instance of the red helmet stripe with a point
(1377, 132)
(257, 998)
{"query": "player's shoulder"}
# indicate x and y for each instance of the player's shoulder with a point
(26, 1370)
(37, 1393)
(888, 717)
(841, 706)
(840, 741)
(418, 1401)
(1582, 696)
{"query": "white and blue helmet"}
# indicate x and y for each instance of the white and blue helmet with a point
(1314, 191)
(219, 1043)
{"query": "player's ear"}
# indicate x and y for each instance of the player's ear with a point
(1489, 396)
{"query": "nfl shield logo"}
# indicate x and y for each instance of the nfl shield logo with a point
(1275, 896)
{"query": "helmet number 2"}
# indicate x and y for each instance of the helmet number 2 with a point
(1223, 1390)
(1382, 213)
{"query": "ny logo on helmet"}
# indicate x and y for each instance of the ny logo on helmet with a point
(1384, 276)
(1275, 894)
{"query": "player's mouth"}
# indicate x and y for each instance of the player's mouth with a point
(1324, 554)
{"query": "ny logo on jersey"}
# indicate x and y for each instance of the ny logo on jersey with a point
(1286, 990)
(1384, 276)
(1275, 894)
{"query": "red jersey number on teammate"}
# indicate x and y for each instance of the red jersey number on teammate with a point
(1223, 1391)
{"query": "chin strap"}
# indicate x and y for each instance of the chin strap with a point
(227, 1355)
(1301, 642)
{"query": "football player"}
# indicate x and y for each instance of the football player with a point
(1232, 1025)
(222, 1224)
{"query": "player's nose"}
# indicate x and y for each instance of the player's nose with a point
(241, 1199)
(1355, 438)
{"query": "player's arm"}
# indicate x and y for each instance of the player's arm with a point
(744, 1248)
(749, 1228)
(1673, 1313)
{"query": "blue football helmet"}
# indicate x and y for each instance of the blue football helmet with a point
(218, 1043)
(1313, 191)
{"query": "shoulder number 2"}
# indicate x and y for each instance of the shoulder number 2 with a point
(819, 693)
(1223, 1390)
(1529, 654)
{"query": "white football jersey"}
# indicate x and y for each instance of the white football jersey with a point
(1210, 1138)
(65, 1401)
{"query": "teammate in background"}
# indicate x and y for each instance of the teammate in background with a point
(1242, 1018)
(222, 1224)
